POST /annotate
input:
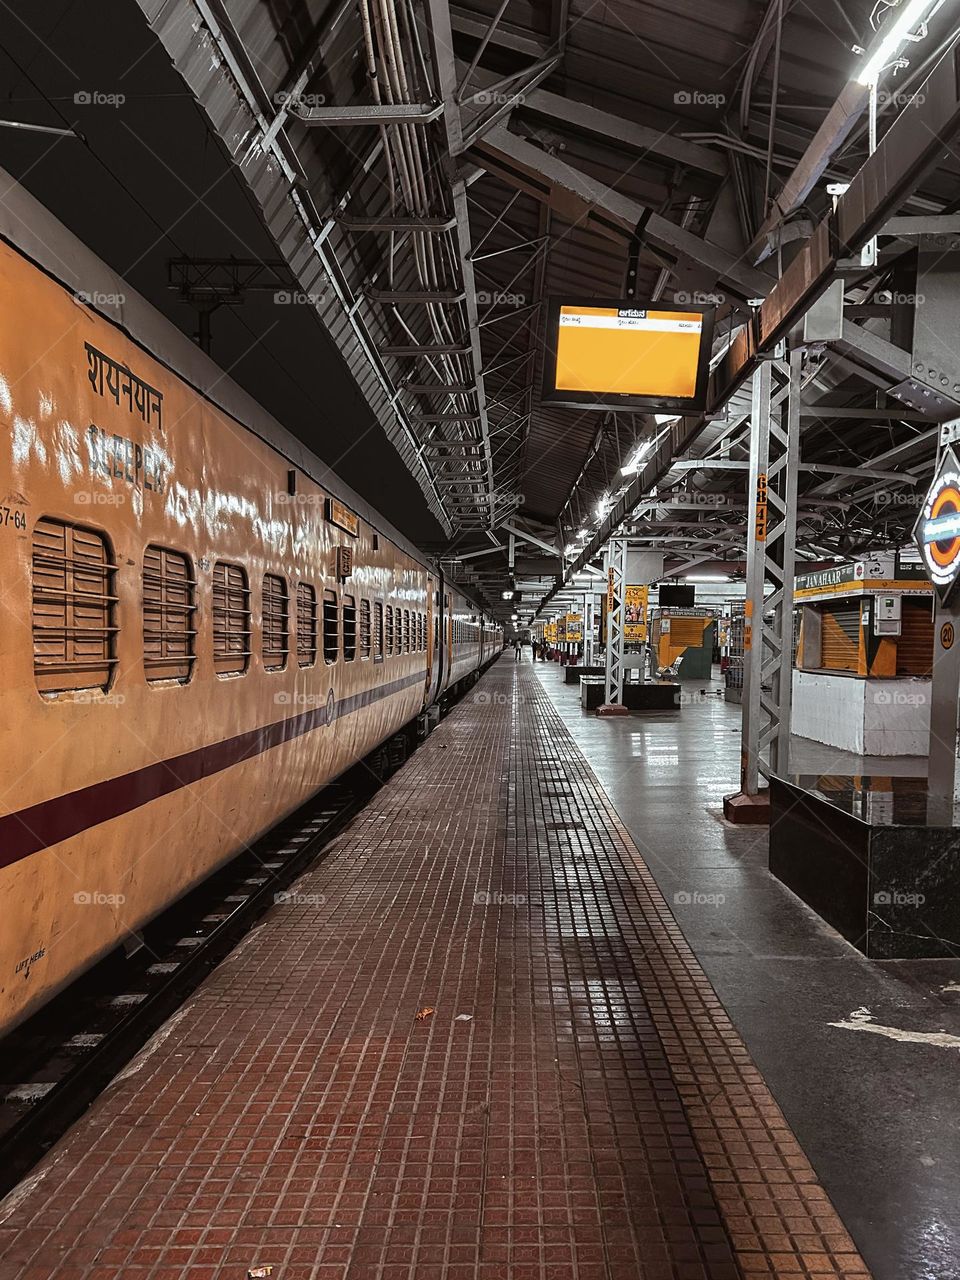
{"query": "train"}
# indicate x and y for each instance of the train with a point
(201, 626)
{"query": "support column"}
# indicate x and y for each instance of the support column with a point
(616, 564)
(589, 618)
(943, 767)
(771, 559)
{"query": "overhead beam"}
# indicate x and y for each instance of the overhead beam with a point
(469, 25)
(578, 197)
(379, 114)
(531, 538)
(910, 148)
(441, 45)
(836, 128)
(612, 128)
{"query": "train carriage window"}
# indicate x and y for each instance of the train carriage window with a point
(331, 627)
(349, 628)
(378, 632)
(169, 606)
(306, 624)
(364, 628)
(405, 644)
(423, 632)
(389, 642)
(274, 630)
(74, 608)
(231, 619)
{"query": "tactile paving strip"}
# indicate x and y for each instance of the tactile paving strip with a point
(576, 1106)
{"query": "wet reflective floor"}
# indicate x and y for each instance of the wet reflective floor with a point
(874, 1100)
(474, 1042)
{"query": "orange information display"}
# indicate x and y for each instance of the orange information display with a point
(627, 355)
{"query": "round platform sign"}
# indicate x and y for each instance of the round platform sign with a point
(937, 531)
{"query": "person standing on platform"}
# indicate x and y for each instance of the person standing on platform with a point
(518, 649)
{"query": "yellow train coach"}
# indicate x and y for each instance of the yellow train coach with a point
(197, 635)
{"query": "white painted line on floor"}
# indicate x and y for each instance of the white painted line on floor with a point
(862, 1020)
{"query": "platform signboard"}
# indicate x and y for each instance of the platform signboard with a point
(937, 531)
(635, 617)
(574, 628)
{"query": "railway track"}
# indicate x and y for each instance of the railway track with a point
(55, 1064)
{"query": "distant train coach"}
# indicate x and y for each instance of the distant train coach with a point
(197, 634)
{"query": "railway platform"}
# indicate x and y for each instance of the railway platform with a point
(471, 1044)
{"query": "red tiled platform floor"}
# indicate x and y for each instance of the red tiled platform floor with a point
(578, 1105)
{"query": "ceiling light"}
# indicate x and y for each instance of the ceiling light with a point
(705, 577)
(911, 13)
(634, 464)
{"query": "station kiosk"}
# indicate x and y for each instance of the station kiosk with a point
(863, 660)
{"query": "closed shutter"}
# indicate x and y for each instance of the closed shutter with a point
(231, 619)
(274, 629)
(74, 608)
(169, 608)
(687, 633)
(915, 644)
(306, 624)
(840, 645)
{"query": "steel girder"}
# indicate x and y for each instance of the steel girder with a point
(909, 149)
(521, 164)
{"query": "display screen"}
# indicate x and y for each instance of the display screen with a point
(627, 354)
(677, 596)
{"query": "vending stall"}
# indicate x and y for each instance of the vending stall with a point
(684, 637)
(863, 660)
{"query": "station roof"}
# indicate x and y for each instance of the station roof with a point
(504, 152)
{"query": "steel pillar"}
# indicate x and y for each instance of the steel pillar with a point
(616, 565)
(771, 559)
(943, 767)
(589, 620)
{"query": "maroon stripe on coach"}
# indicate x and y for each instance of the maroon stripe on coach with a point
(29, 830)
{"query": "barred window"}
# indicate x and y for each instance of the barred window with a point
(169, 608)
(423, 633)
(349, 628)
(406, 631)
(231, 619)
(331, 627)
(389, 641)
(74, 608)
(378, 632)
(274, 637)
(364, 628)
(306, 624)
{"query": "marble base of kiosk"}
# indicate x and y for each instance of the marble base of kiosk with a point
(653, 695)
(866, 715)
(873, 858)
(572, 675)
